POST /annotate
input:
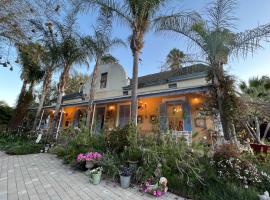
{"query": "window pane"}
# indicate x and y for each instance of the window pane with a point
(103, 80)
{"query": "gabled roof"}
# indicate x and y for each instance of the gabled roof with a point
(71, 96)
(193, 71)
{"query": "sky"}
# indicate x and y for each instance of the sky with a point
(250, 13)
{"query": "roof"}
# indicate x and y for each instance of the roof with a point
(76, 95)
(169, 92)
(193, 71)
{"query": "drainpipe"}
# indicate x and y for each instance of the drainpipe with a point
(93, 118)
(40, 119)
(59, 123)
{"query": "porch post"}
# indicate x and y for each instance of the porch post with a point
(40, 119)
(93, 118)
(59, 123)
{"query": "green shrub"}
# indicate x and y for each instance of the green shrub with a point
(74, 142)
(58, 150)
(24, 148)
(118, 139)
(110, 163)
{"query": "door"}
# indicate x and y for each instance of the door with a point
(124, 115)
(99, 119)
(175, 116)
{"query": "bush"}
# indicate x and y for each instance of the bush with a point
(58, 150)
(118, 139)
(110, 164)
(74, 142)
(24, 148)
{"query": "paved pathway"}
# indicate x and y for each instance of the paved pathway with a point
(43, 176)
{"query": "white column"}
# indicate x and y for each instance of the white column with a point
(40, 119)
(59, 123)
(93, 118)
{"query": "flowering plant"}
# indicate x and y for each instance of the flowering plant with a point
(156, 188)
(97, 170)
(239, 169)
(91, 156)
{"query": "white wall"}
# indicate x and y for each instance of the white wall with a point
(117, 78)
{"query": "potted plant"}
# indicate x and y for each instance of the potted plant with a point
(154, 187)
(134, 155)
(90, 159)
(125, 175)
(95, 175)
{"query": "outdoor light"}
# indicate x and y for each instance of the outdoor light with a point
(111, 108)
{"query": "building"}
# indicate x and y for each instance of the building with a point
(169, 101)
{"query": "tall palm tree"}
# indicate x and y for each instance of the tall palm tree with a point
(98, 47)
(138, 16)
(218, 43)
(175, 59)
(71, 52)
(30, 59)
(50, 60)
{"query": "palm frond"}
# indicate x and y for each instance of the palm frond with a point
(248, 41)
(108, 59)
(221, 13)
(181, 23)
(119, 9)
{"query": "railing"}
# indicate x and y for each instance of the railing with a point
(187, 135)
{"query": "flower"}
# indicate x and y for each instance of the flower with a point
(89, 156)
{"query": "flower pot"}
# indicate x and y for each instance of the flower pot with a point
(89, 164)
(125, 181)
(95, 178)
(133, 165)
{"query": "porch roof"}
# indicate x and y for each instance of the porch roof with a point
(169, 92)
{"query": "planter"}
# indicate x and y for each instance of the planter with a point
(260, 148)
(133, 165)
(125, 181)
(89, 164)
(95, 178)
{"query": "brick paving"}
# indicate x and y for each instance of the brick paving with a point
(44, 177)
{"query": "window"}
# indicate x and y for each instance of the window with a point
(103, 80)
(125, 92)
(172, 85)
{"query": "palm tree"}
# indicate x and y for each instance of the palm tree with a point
(256, 94)
(218, 43)
(30, 59)
(71, 52)
(98, 47)
(175, 59)
(50, 61)
(138, 16)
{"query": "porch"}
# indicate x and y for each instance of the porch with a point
(174, 114)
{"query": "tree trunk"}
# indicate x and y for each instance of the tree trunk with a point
(134, 100)
(266, 131)
(92, 94)
(45, 90)
(14, 123)
(218, 74)
(61, 90)
(258, 131)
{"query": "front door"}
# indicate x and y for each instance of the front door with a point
(124, 115)
(99, 119)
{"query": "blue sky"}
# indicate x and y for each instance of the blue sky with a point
(250, 13)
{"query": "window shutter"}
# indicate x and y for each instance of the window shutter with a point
(163, 117)
(76, 119)
(187, 116)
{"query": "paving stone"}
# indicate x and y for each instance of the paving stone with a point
(44, 177)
